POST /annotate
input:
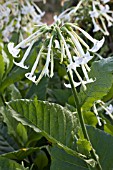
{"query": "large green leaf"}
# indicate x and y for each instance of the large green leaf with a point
(103, 144)
(19, 132)
(7, 164)
(62, 160)
(101, 72)
(7, 144)
(56, 123)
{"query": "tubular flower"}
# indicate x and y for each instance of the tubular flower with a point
(58, 39)
(101, 14)
(18, 16)
(108, 109)
(97, 115)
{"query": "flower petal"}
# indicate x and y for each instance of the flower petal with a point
(97, 45)
(30, 77)
(14, 51)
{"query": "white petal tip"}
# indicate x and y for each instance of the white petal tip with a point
(13, 50)
(20, 65)
(31, 77)
(97, 45)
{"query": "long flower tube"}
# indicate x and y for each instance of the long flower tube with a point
(45, 70)
(97, 44)
(15, 50)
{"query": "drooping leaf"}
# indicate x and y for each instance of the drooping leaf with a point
(62, 160)
(56, 123)
(20, 154)
(7, 164)
(7, 144)
(103, 144)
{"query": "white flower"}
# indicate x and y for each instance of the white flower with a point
(14, 51)
(21, 63)
(76, 84)
(12, 10)
(45, 70)
(96, 26)
(97, 115)
(100, 14)
(97, 44)
(110, 109)
(105, 1)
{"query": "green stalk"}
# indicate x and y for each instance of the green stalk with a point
(82, 123)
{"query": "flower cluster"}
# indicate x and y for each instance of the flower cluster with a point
(65, 39)
(101, 16)
(19, 16)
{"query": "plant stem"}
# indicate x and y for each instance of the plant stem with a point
(82, 123)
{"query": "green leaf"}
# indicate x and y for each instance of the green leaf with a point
(62, 160)
(13, 130)
(7, 144)
(56, 123)
(21, 154)
(41, 160)
(40, 90)
(8, 60)
(84, 146)
(109, 95)
(108, 128)
(101, 72)
(22, 133)
(103, 144)
(61, 95)
(7, 164)
(90, 118)
(12, 93)
(2, 67)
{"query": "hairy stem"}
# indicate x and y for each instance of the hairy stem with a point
(82, 123)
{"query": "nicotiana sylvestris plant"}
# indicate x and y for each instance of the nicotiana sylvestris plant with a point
(64, 39)
(18, 16)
